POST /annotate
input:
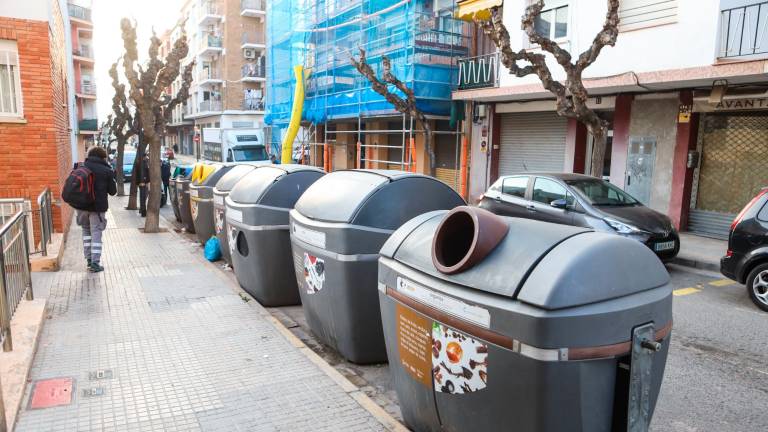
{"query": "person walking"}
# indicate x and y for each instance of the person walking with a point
(143, 180)
(165, 175)
(93, 219)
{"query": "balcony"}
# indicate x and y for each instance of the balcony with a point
(78, 12)
(211, 45)
(743, 31)
(208, 77)
(84, 52)
(88, 126)
(209, 14)
(253, 9)
(479, 72)
(253, 104)
(87, 90)
(210, 106)
(254, 72)
(253, 41)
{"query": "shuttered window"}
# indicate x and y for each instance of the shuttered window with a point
(637, 14)
(10, 81)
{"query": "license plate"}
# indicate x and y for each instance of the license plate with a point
(663, 246)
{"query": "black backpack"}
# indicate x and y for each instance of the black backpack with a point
(78, 190)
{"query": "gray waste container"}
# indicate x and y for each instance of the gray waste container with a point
(220, 193)
(185, 211)
(178, 172)
(555, 328)
(257, 219)
(201, 202)
(337, 229)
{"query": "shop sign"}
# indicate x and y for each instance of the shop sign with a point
(733, 105)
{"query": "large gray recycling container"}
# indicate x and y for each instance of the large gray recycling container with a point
(220, 193)
(185, 210)
(337, 229)
(257, 219)
(537, 335)
(201, 201)
(174, 199)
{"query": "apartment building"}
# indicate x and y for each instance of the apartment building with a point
(35, 122)
(684, 91)
(83, 63)
(227, 44)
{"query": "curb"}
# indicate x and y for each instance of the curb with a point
(696, 264)
(390, 423)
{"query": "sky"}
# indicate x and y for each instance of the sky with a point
(107, 41)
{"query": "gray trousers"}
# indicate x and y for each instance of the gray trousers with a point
(93, 224)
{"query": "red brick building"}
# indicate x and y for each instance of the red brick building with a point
(34, 105)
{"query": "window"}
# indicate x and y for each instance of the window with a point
(552, 23)
(601, 193)
(10, 88)
(545, 191)
(637, 14)
(515, 186)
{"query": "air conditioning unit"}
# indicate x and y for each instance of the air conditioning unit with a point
(249, 53)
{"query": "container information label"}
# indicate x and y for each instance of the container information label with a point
(193, 193)
(193, 209)
(459, 362)
(232, 240)
(314, 273)
(414, 344)
(218, 199)
(235, 215)
(315, 238)
(443, 303)
(219, 220)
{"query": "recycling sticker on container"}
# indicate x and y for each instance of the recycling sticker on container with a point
(314, 273)
(193, 208)
(219, 220)
(232, 240)
(459, 362)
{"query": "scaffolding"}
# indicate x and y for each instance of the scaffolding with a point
(422, 39)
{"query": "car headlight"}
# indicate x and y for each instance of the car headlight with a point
(621, 227)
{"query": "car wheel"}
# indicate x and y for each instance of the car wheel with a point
(757, 286)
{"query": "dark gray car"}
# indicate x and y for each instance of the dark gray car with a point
(580, 200)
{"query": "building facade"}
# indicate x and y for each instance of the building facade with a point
(83, 63)
(35, 126)
(227, 44)
(684, 91)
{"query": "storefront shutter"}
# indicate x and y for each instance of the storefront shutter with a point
(532, 142)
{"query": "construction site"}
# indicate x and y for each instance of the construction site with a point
(343, 122)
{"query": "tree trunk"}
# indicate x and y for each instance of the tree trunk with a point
(430, 150)
(140, 150)
(119, 168)
(599, 134)
(152, 222)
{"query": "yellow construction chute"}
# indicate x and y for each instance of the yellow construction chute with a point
(293, 126)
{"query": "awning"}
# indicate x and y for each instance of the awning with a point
(476, 9)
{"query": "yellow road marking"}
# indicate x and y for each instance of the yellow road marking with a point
(685, 291)
(722, 282)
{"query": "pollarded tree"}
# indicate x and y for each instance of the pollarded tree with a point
(571, 95)
(123, 127)
(148, 84)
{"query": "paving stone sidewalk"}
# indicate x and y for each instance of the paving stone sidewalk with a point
(162, 342)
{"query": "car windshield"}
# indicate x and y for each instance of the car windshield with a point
(601, 193)
(128, 158)
(257, 153)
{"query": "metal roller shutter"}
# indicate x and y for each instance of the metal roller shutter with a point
(532, 142)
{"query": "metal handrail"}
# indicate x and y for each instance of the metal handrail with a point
(44, 204)
(15, 273)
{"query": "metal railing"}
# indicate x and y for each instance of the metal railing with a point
(743, 30)
(210, 106)
(83, 51)
(479, 72)
(259, 5)
(253, 104)
(79, 12)
(45, 206)
(10, 206)
(254, 70)
(16, 280)
(209, 74)
(253, 38)
(211, 41)
(209, 8)
(88, 88)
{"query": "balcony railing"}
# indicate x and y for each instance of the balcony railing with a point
(253, 104)
(254, 70)
(479, 72)
(210, 106)
(208, 74)
(83, 51)
(253, 5)
(210, 8)
(79, 12)
(88, 125)
(88, 89)
(253, 39)
(744, 30)
(211, 41)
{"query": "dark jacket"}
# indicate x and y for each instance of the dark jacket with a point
(103, 182)
(144, 171)
(165, 171)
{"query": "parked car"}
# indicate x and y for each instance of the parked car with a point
(580, 200)
(128, 158)
(746, 260)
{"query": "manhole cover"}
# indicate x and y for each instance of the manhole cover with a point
(100, 374)
(93, 392)
(51, 393)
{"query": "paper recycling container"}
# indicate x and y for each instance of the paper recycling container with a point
(179, 172)
(337, 229)
(257, 219)
(492, 321)
(220, 193)
(182, 194)
(201, 197)
(200, 172)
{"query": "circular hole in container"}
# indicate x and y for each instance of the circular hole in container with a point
(454, 239)
(242, 244)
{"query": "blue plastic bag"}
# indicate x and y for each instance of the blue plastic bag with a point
(212, 249)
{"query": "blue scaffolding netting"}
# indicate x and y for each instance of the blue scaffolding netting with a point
(422, 39)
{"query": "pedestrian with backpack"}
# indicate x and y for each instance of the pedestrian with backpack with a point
(86, 190)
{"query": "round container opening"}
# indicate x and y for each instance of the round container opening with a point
(242, 244)
(454, 239)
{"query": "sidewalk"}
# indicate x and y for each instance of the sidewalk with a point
(700, 252)
(162, 341)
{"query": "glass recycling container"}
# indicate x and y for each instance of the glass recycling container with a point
(493, 321)
(220, 193)
(201, 203)
(337, 229)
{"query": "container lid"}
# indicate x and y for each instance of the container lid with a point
(204, 171)
(215, 176)
(259, 185)
(376, 198)
(230, 179)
